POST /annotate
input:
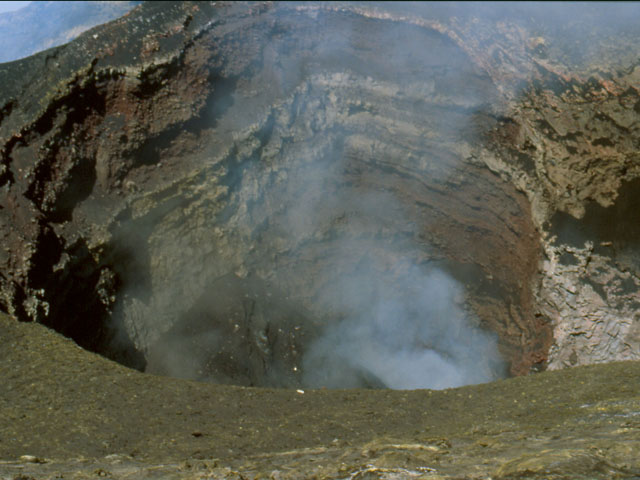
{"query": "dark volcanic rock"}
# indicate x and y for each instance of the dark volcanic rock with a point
(294, 146)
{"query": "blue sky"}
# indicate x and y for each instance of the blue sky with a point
(10, 6)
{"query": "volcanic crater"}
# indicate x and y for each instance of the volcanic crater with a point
(261, 195)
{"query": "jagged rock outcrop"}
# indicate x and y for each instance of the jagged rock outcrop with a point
(575, 133)
(278, 148)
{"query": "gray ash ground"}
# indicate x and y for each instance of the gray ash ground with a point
(79, 414)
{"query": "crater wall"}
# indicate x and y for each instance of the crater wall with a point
(224, 191)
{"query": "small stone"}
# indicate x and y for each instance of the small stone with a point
(31, 459)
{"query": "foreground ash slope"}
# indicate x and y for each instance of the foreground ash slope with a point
(85, 416)
(189, 153)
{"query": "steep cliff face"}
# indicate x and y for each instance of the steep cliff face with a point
(573, 148)
(245, 192)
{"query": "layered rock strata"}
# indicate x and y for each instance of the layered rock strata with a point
(196, 168)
